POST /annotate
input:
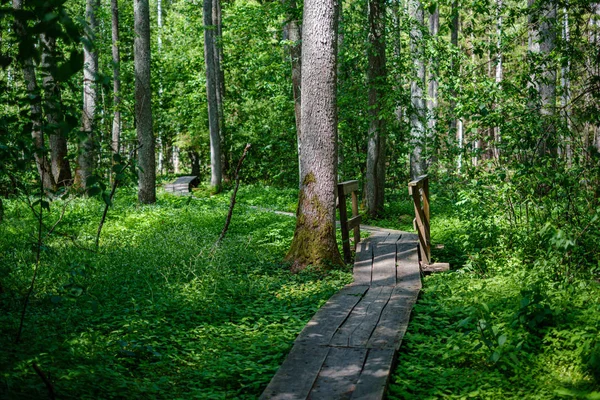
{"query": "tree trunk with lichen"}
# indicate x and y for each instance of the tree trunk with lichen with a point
(314, 239)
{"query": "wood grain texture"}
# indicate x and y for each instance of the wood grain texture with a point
(375, 375)
(297, 374)
(339, 374)
(357, 329)
(321, 328)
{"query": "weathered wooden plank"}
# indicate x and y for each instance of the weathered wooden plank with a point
(297, 374)
(363, 263)
(349, 186)
(435, 267)
(384, 264)
(394, 319)
(375, 375)
(354, 222)
(392, 238)
(408, 272)
(323, 325)
(339, 374)
(357, 329)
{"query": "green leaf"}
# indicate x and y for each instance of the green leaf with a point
(501, 340)
(94, 191)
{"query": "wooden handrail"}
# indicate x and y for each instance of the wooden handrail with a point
(345, 188)
(419, 190)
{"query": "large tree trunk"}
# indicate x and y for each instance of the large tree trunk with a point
(116, 59)
(418, 165)
(292, 33)
(61, 168)
(41, 160)
(376, 80)
(455, 124)
(90, 70)
(211, 94)
(143, 104)
(314, 239)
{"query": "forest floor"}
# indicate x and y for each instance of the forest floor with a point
(158, 312)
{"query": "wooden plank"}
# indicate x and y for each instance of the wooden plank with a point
(384, 264)
(354, 222)
(297, 374)
(418, 181)
(354, 214)
(375, 375)
(363, 263)
(339, 374)
(349, 186)
(323, 325)
(394, 319)
(408, 273)
(435, 267)
(357, 329)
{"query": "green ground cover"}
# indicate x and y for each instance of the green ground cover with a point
(157, 312)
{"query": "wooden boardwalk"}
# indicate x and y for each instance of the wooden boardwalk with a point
(348, 348)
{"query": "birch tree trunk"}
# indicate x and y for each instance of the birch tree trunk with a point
(314, 239)
(376, 79)
(116, 59)
(143, 104)
(211, 94)
(565, 83)
(542, 40)
(41, 159)
(498, 71)
(61, 168)
(90, 71)
(418, 164)
(432, 87)
(220, 85)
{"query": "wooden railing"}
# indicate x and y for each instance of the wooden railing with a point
(344, 189)
(419, 190)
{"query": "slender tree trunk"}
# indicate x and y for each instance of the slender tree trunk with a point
(293, 34)
(220, 85)
(211, 93)
(116, 59)
(418, 164)
(542, 40)
(90, 70)
(61, 168)
(314, 239)
(566, 87)
(376, 80)
(143, 104)
(432, 88)
(195, 161)
(498, 72)
(41, 159)
(456, 125)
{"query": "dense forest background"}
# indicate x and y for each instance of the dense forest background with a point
(105, 295)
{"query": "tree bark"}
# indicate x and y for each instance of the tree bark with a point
(90, 71)
(418, 164)
(61, 168)
(116, 59)
(314, 239)
(376, 80)
(220, 85)
(41, 159)
(432, 87)
(143, 104)
(211, 94)
(542, 40)
(498, 72)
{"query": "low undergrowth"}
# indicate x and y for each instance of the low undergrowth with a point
(157, 312)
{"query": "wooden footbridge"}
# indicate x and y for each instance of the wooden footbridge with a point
(348, 349)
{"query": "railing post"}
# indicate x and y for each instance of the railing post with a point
(345, 188)
(419, 190)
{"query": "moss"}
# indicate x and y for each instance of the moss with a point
(314, 241)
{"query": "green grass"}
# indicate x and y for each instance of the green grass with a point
(158, 312)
